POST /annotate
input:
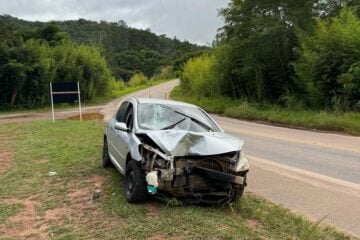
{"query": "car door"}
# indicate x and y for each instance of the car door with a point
(113, 136)
(122, 138)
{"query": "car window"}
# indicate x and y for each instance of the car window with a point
(120, 115)
(156, 116)
(163, 116)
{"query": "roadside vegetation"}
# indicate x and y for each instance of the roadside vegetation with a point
(348, 122)
(284, 62)
(34, 54)
(36, 205)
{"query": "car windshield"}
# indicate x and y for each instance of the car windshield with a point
(168, 116)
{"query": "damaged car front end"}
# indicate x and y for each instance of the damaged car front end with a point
(179, 150)
(198, 169)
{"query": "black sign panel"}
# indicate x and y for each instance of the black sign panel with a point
(64, 87)
(65, 92)
(65, 98)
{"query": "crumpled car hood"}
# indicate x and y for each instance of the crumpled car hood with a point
(184, 143)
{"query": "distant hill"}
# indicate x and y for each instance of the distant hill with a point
(127, 50)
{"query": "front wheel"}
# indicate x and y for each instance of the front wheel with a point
(106, 162)
(238, 192)
(135, 184)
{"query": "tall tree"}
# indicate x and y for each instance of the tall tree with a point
(328, 66)
(260, 35)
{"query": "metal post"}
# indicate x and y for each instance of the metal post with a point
(79, 100)
(149, 84)
(52, 103)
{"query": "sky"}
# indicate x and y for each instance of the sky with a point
(194, 20)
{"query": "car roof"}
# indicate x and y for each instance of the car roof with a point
(163, 101)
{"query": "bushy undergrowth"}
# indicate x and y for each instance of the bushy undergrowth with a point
(322, 120)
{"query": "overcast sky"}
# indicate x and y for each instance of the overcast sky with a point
(194, 20)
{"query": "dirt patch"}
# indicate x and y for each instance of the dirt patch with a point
(5, 160)
(252, 223)
(41, 160)
(82, 209)
(162, 237)
(152, 211)
(55, 215)
(6, 155)
(77, 210)
(78, 200)
(157, 237)
(88, 117)
(25, 224)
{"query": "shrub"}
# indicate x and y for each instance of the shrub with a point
(350, 82)
(138, 79)
(164, 73)
(326, 72)
(200, 76)
(117, 85)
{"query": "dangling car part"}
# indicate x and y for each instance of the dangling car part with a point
(163, 146)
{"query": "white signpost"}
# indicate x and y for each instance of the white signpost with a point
(65, 92)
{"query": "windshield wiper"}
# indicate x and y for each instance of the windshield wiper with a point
(204, 125)
(173, 125)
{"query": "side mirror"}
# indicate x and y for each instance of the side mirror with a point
(121, 126)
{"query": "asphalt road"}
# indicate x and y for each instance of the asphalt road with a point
(313, 173)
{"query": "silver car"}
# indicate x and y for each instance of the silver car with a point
(174, 148)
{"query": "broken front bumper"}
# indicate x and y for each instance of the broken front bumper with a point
(221, 176)
(181, 181)
(195, 176)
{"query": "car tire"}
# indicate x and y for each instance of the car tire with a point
(106, 162)
(135, 184)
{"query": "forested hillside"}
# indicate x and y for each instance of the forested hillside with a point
(126, 49)
(101, 56)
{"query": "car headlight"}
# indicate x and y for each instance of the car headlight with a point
(242, 163)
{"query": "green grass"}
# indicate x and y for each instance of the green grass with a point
(73, 150)
(320, 120)
(9, 210)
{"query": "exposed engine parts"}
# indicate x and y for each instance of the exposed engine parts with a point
(196, 176)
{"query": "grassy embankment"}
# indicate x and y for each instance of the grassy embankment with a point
(320, 120)
(34, 204)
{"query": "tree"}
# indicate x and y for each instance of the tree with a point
(332, 8)
(26, 68)
(328, 64)
(260, 38)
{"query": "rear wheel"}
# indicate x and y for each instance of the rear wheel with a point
(106, 162)
(135, 184)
